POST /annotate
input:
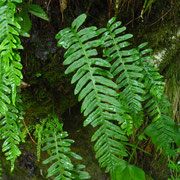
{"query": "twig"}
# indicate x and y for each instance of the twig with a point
(29, 133)
(133, 20)
(160, 17)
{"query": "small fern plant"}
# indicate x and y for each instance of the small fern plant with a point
(119, 92)
(56, 143)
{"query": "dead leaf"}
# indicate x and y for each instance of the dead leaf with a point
(63, 6)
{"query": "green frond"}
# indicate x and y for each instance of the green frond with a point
(58, 145)
(10, 132)
(123, 65)
(152, 79)
(96, 89)
(9, 46)
(10, 78)
(162, 128)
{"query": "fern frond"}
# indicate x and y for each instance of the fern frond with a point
(59, 146)
(123, 65)
(9, 44)
(162, 128)
(152, 79)
(10, 132)
(10, 75)
(96, 89)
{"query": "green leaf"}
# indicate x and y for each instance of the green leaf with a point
(116, 25)
(124, 171)
(37, 11)
(5, 97)
(26, 22)
(88, 99)
(136, 173)
(111, 21)
(17, 1)
(78, 21)
(75, 65)
(105, 81)
(86, 30)
(85, 91)
(82, 82)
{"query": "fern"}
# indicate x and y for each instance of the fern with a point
(59, 147)
(10, 43)
(10, 132)
(137, 83)
(138, 78)
(123, 65)
(96, 89)
(126, 73)
(39, 135)
(162, 128)
(10, 78)
(152, 79)
(124, 88)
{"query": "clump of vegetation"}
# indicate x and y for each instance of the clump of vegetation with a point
(122, 93)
